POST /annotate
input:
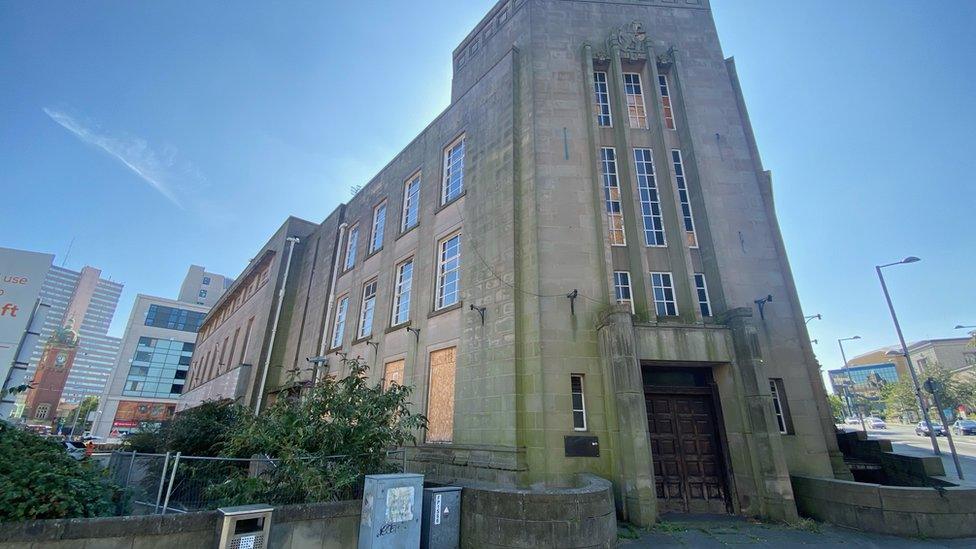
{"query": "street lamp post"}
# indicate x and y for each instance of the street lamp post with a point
(850, 382)
(904, 348)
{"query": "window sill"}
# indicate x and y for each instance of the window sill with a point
(406, 232)
(396, 327)
(372, 253)
(452, 201)
(447, 309)
(363, 339)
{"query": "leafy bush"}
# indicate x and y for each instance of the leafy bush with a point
(337, 417)
(38, 480)
(199, 431)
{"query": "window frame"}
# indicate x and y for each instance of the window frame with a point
(601, 113)
(612, 196)
(701, 292)
(581, 411)
(617, 286)
(664, 288)
(447, 170)
(667, 107)
(399, 289)
(377, 228)
(636, 106)
(684, 199)
(339, 322)
(367, 305)
(781, 406)
(352, 242)
(651, 211)
(441, 272)
(409, 204)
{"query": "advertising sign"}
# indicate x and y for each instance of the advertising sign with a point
(21, 277)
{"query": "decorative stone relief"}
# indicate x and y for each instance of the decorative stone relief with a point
(631, 39)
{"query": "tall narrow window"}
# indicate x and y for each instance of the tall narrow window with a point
(367, 309)
(579, 404)
(662, 81)
(247, 340)
(351, 242)
(636, 112)
(440, 395)
(621, 288)
(602, 92)
(448, 271)
(663, 289)
(781, 408)
(379, 224)
(702, 290)
(411, 204)
(611, 194)
(401, 293)
(453, 184)
(393, 373)
(686, 215)
(339, 326)
(650, 201)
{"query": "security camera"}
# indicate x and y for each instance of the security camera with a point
(317, 359)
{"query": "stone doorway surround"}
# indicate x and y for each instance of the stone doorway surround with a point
(759, 480)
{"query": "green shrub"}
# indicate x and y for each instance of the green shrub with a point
(38, 480)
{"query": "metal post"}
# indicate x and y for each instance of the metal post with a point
(843, 355)
(162, 481)
(930, 385)
(172, 479)
(908, 359)
(129, 472)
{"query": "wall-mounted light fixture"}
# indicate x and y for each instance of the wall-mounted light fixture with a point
(572, 301)
(481, 311)
(375, 344)
(817, 316)
(761, 303)
(414, 331)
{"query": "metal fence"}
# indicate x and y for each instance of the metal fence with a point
(174, 483)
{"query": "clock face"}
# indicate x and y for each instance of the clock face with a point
(61, 358)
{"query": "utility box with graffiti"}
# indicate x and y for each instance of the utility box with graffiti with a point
(392, 508)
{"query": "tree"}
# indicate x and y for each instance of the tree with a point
(200, 431)
(87, 405)
(836, 407)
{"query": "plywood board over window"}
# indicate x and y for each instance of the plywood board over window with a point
(440, 395)
(393, 373)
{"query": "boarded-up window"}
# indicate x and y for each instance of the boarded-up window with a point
(440, 397)
(393, 373)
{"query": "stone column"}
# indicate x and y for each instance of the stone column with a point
(634, 477)
(762, 437)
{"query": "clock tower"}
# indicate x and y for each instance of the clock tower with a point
(52, 372)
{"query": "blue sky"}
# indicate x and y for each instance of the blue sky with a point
(163, 134)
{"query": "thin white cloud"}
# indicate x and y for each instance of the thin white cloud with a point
(133, 152)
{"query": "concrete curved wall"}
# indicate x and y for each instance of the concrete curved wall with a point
(565, 517)
(896, 510)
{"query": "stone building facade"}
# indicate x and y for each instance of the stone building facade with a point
(577, 265)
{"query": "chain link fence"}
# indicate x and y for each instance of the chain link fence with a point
(174, 483)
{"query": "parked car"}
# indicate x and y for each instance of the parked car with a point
(875, 423)
(922, 430)
(852, 421)
(964, 427)
(75, 449)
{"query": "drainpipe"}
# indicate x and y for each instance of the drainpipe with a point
(331, 301)
(292, 240)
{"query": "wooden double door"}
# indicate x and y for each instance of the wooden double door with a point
(689, 469)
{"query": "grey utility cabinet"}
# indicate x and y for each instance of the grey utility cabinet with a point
(392, 506)
(441, 528)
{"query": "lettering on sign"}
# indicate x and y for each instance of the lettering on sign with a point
(437, 509)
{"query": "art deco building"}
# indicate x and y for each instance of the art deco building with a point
(577, 265)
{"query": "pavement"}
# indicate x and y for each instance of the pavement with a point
(905, 441)
(722, 531)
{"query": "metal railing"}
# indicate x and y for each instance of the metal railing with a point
(175, 483)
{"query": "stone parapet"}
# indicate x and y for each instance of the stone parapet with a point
(895, 510)
(583, 516)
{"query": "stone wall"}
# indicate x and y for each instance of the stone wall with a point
(895, 510)
(318, 525)
(566, 517)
